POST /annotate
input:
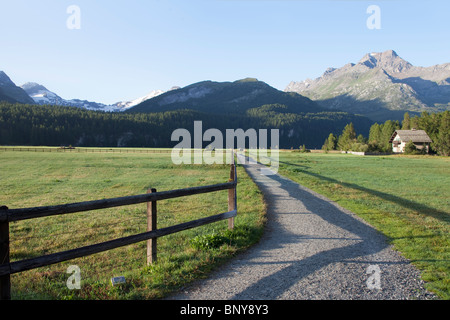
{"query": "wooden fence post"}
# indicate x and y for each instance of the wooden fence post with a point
(151, 226)
(5, 280)
(232, 196)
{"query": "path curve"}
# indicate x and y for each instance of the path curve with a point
(311, 249)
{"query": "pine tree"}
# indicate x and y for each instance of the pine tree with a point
(443, 139)
(347, 138)
(386, 133)
(330, 143)
(406, 123)
(374, 137)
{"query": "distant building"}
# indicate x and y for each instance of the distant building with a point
(400, 138)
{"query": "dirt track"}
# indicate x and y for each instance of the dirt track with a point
(312, 249)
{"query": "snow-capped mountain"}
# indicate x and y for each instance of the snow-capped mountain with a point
(124, 105)
(41, 95)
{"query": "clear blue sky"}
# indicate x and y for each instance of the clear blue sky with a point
(125, 49)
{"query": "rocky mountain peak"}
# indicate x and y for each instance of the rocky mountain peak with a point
(381, 86)
(33, 87)
(388, 60)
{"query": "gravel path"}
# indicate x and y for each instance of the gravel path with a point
(312, 249)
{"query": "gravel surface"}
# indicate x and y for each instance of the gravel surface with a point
(312, 249)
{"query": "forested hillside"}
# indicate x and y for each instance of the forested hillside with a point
(22, 124)
(226, 98)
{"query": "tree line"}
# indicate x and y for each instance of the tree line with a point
(46, 125)
(58, 125)
(436, 125)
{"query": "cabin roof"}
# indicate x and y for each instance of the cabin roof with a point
(411, 135)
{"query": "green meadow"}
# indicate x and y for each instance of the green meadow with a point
(404, 197)
(32, 179)
(407, 198)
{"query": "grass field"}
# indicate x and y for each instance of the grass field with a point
(407, 198)
(42, 178)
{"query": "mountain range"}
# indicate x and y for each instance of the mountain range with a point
(34, 93)
(242, 104)
(41, 95)
(381, 86)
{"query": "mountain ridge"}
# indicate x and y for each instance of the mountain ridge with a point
(10, 92)
(41, 95)
(35, 93)
(382, 86)
(225, 97)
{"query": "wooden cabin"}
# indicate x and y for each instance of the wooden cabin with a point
(400, 138)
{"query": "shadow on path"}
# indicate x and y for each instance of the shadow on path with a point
(311, 249)
(340, 238)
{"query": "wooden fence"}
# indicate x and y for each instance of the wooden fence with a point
(86, 150)
(151, 197)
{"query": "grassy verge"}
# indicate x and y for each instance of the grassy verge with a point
(35, 179)
(404, 197)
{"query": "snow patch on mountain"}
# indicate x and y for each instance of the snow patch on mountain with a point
(196, 92)
(124, 105)
(41, 95)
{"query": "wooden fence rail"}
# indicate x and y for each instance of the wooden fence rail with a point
(87, 150)
(151, 197)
